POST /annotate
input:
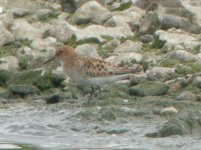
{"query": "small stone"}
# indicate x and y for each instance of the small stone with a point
(87, 50)
(169, 110)
(5, 36)
(129, 46)
(146, 38)
(187, 95)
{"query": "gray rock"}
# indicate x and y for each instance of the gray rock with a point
(186, 95)
(43, 44)
(177, 126)
(9, 63)
(7, 20)
(182, 55)
(5, 36)
(124, 58)
(157, 73)
(175, 37)
(149, 23)
(113, 43)
(22, 30)
(95, 31)
(91, 11)
(168, 21)
(126, 17)
(61, 30)
(146, 38)
(129, 46)
(19, 12)
(87, 50)
(197, 81)
(149, 89)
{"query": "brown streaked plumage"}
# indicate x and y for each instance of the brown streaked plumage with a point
(89, 71)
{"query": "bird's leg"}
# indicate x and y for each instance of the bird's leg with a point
(95, 91)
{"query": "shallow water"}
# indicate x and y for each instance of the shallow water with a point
(55, 127)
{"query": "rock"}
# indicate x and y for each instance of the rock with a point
(9, 63)
(91, 11)
(124, 58)
(1, 10)
(174, 37)
(129, 46)
(87, 50)
(44, 14)
(169, 110)
(149, 89)
(22, 30)
(96, 31)
(61, 30)
(182, 125)
(197, 81)
(5, 36)
(148, 24)
(23, 90)
(126, 17)
(157, 73)
(168, 21)
(7, 20)
(115, 43)
(187, 95)
(182, 55)
(175, 87)
(19, 12)
(43, 44)
(146, 38)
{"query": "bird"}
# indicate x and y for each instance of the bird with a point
(88, 71)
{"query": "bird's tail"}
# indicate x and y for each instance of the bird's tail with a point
(119, 71)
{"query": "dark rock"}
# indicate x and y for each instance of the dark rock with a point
(149, 89)
(23, 90)
(53, 99)
(146, 38)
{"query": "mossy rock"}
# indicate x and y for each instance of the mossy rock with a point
(149, 89)
(48, 80)
(157, 43)
(23, 90)
(123, 6)
(178, 126)
(4, 77)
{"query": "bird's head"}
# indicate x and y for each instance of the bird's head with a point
(63, 53)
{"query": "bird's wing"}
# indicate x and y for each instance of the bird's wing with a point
(96, 68)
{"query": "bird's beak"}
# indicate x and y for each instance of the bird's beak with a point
(48, 60)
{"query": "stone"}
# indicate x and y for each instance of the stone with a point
(182, 55)
(19, 12)
(115, 43)
(96, 31)
(124, 58)
(43, 44)
(149, 89)
(168, 21)
(197, 81)
(9, 63)
(61, 30)
(126, 17)
(169, 111)
(177, 126)
(129, 46)
(23, 90)
(92, 12)
(22, 30)
(157, 73)
(186, 95)
(7, 20)
(146, 38)
(5, 36)
(88, 50)
(175, 87)
(173, 37)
